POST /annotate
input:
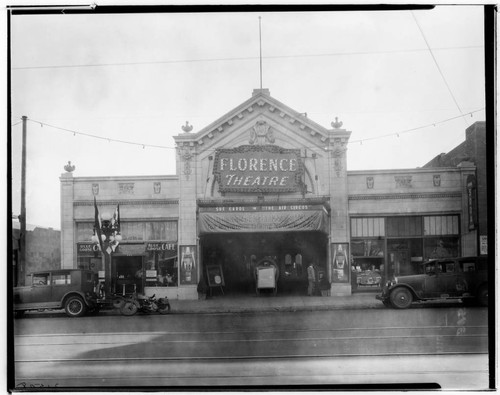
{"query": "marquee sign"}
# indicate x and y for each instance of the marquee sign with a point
(266, 168)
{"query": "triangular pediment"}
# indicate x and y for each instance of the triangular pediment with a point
(238, 125)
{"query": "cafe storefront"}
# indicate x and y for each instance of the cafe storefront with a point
(264, 184)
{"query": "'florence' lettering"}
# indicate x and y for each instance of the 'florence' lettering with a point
(255, 164)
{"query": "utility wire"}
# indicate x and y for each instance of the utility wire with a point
(437, 65)
(236, 59)
(99, 137)
(415, 129)
(143, 145)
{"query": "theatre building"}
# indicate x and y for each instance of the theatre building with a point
(264, 185)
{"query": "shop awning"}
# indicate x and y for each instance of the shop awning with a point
(271, 221)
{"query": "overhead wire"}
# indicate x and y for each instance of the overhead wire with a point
(238, 58)
(437, 65)
(145, 145)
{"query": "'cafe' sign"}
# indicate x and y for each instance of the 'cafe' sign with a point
(251, 168)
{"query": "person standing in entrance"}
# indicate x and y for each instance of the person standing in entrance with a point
(311, 278)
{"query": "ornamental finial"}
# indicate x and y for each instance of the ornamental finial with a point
(337, 124)
(69, 168)
(187, 127)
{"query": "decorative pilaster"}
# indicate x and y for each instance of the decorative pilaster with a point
(339, 223)
(188, 240)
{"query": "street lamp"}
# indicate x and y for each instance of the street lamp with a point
(107, 236)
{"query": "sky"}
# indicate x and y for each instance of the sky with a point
(415, 77)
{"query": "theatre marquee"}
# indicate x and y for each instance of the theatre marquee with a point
(267, 168)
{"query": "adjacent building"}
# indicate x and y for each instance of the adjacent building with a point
(43, 250)
(266, 185)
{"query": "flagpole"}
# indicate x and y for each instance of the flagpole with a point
(21, 279)
(260, 52)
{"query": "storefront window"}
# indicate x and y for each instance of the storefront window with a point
(368, 257)
(404, 226)
(161, 266)
(441, 225)
(404, 256)
(393, 246)
(153, 230)
(441, 247)
(84, 231)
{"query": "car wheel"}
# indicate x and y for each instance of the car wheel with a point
(75, 307)
(164, 308)
(401, 298)
(482, 295)
(129, 308)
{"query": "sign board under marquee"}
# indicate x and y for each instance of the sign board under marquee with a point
(88, 249)
(263, 208)
(262, 168)
(161, 246)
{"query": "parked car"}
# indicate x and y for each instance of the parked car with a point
(463, 279)
(71, 290)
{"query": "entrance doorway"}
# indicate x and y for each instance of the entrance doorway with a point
(128, 274)
(239, 253)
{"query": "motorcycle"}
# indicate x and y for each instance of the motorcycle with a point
(145, 304)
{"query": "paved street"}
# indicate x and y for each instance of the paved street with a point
(445, 345)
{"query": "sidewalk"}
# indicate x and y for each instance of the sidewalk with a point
(221, 304)
(269, 303)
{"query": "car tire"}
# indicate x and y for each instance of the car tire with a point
(482, 295)
(75, 307)
(129, 308)
(401, 298)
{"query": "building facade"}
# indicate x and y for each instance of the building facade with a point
(43, 250)
(265, 185)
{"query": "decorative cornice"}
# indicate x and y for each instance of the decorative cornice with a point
(265, 102)
(162, 202)
(407, 196)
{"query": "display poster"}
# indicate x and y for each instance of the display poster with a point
(215, 276)
(188, 265)
(340, 263)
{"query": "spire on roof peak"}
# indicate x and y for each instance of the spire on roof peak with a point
(264, 91)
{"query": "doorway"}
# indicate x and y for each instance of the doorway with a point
(239, 253)
(128, 274)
